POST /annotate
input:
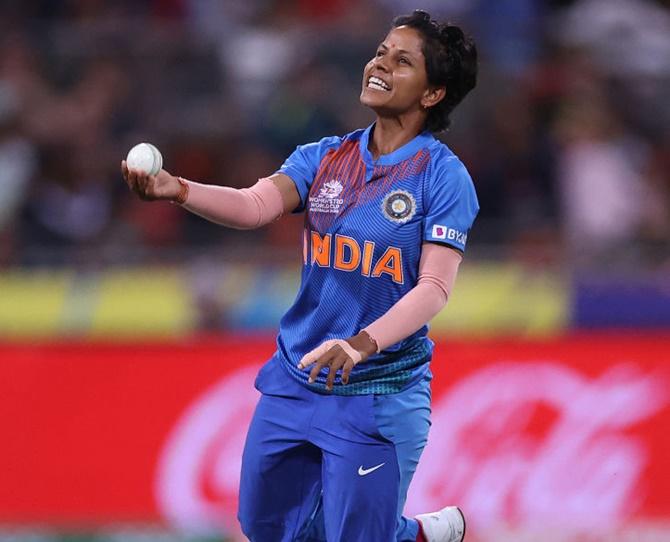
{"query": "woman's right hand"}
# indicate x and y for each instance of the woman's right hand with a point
(151, 187)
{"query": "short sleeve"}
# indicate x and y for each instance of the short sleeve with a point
(303, 163)
(452, 205)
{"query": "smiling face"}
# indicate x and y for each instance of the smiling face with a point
(395, 80)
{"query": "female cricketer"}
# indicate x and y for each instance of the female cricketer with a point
(344, 411)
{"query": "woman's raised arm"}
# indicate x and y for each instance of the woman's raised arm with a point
(243, 208)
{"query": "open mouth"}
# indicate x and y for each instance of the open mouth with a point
(377, 84)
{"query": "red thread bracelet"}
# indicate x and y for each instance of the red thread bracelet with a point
(181, 198)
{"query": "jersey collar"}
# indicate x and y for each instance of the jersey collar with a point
(409, 149)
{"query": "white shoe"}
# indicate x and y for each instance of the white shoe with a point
(447, 525)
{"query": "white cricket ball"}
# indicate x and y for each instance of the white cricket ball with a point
(145, 157)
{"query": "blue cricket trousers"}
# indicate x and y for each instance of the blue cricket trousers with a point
(330, 468)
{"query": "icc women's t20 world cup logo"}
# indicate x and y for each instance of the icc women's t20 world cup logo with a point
(328, 199)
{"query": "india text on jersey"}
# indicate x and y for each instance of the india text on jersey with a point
(346, 254)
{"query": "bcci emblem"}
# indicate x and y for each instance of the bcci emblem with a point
(399, 206)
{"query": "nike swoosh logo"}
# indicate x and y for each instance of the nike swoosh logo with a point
(363, 472)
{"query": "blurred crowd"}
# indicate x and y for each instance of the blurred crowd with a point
(566, 136)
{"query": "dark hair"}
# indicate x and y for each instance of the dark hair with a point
(451, 62)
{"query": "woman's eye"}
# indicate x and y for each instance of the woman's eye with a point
(379, 53)
(404, 61)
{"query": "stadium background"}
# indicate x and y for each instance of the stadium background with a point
(130, 332)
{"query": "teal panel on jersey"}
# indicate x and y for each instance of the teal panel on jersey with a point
(365, 222)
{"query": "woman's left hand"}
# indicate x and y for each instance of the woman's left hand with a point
(338, 354)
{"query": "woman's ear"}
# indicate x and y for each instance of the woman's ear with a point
(433, 96)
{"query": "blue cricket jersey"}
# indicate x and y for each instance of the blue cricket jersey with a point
(365, 222)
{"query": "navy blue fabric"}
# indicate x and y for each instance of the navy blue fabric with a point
(304, 454)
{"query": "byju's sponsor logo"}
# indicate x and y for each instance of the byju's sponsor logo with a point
(451, 234)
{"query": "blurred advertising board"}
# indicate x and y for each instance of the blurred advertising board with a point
(555, 439)
(139, 302)
(158, 302)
